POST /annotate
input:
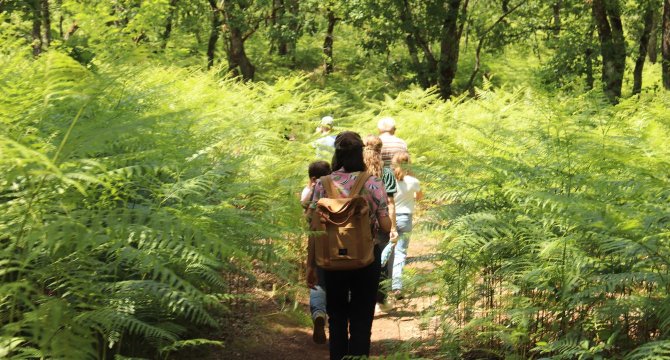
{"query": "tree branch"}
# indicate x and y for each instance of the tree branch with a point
(481, 42)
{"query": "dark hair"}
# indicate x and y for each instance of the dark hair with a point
(348, 152)
(318, 169)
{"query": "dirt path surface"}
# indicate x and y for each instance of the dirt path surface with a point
(276, 333)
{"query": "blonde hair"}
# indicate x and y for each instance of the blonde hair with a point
(400, 159)
(372, 155)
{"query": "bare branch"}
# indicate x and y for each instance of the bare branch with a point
(481, 42)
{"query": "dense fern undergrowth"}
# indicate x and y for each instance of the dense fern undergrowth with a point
(130, 194)
(554, 217)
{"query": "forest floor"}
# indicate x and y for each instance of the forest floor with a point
(274, 332)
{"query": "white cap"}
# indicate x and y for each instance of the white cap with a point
(386, 124)
(327, 120)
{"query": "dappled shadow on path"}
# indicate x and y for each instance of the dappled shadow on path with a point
(410, 328)
(287, 344)
(425, 258)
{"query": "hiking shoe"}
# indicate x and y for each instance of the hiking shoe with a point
(319, 333)
(397, 294)
(385, 306)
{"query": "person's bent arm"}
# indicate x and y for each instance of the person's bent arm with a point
(385, 223)
(393, 231)
(311, 276)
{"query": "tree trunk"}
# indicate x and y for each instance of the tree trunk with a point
(590, 79)
(665, 45)
(61, 18)
(644, 43)
(416, 63)
(588, 59)
(411, 41)
(607, 15)
(238, 62)
(328, 42)
(214, 33)
(431, 68)
(46, 18)
(449, 48)
(37, 27)
(556, 8)
(652, 49)
(276, 18)
(293, 7)
(172, 12)
(237, 56)
(285, 17)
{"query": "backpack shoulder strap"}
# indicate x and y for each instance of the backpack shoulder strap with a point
(329, 186)
(360, 182)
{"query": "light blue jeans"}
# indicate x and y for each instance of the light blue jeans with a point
(317, 297)
(404, 226)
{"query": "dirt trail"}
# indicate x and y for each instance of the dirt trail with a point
(281, 335)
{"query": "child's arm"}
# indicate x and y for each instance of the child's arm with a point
(418, 195)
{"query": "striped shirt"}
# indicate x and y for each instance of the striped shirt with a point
(390, 183)
(391, 145)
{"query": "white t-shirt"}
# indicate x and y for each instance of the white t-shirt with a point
(404, 198)
(325, 147)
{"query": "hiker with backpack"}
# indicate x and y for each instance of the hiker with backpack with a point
(317, 295)
(349, 207)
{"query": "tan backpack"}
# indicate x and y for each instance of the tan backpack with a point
(344, 236)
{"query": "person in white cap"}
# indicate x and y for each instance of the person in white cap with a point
(391, 144)
(325, 145)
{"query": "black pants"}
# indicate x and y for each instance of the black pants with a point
(350, 318)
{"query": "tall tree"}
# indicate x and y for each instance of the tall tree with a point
(277, 19)
(556, 10)
(419, 25)
(452, 29)
(484, 35)
(607, 15)
(214, 32)
(240, 19)
(665, 45)
(286, 27)
(652, 48)
(46, 18)
(36, 10)
(588, 61)
(415, 40)
(172, 13)
(575, 47)
(648, 18)
(294, 28)
(328, 42)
